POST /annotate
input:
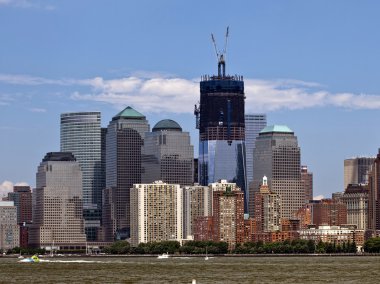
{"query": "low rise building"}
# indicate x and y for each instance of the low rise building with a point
(333, 234)
(329, 212)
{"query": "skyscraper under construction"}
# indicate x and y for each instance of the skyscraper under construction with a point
(220, 120)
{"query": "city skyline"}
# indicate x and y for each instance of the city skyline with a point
(310, 66)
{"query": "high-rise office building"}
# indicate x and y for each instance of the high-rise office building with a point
(254, 123)
(307, 183)
(267, 209)
(355, 198)
(22, 198)
(124, 142)
(197, 203)
(156, 212)
(356, 170)
(374, 196)
(58, 213)
(278, 156)
(9, 229)
(221, 123)
(81, 135)
(168, 154)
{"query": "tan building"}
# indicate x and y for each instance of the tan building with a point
(228, 213)
(156, 212)
(305, 215)
(267, 208)
(9, 229)
(278, 156)
(197, 203)
(58, 212)
(307, 183)
(356, 199)
(356, 170)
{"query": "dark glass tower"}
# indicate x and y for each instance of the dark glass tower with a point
(124, 142)
(221, 124)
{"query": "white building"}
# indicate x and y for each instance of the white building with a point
(9, 229)
(333, 234)
(156, 212)
(356, 199)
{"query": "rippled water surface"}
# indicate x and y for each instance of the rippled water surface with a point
(349, 269)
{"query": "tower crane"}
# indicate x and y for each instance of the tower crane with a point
(220, 55)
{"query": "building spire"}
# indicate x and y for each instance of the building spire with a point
(265, 181)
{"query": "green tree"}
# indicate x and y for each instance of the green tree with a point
(118, 247)
(372, 245)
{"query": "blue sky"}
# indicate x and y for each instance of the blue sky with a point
(312, 65)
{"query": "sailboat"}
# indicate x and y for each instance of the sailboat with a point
(206, 257)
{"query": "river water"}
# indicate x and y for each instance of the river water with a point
(341, 269)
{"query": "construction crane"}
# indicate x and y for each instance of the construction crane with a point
(220, 55)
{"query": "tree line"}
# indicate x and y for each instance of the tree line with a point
(372, 245)
(215, 248)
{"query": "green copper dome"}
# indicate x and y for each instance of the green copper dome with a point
(277, 129)
(129, 113)
(167, 124)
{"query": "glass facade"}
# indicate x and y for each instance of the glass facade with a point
(254, 123)
(218, 160)
(221, 123)
(81, 135)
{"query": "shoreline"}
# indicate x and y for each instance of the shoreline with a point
(195, 255)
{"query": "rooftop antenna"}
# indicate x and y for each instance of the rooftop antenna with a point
(220, 55)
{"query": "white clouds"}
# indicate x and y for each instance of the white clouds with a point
(151, 92)
(26, 4)
(30, 80)
(179, 95)
(5, 99)
(318, 197)
(151, 95)
(37, 110)
(7, 186)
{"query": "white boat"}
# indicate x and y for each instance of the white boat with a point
(33, 259)
(163, 256)
(206, 257)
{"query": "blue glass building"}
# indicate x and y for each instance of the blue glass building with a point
(221, 124)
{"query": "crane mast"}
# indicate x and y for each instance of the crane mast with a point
(220, 55)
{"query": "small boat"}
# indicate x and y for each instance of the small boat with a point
(163, 256)
(33, 259)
